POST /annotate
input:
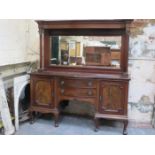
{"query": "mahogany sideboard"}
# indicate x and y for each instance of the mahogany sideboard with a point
(58, 79)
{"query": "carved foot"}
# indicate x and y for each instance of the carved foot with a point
(56, 125)
(96, 129)
(125, 132)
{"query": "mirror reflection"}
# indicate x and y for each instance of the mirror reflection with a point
(86, 51)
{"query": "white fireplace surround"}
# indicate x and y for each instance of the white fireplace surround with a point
(19, 84)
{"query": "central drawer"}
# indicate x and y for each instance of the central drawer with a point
(77, 83)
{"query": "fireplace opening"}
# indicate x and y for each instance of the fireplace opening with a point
(24, 103)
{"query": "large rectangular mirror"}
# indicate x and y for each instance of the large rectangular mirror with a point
(101, 51)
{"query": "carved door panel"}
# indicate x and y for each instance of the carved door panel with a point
(43, 92)
(112, 98)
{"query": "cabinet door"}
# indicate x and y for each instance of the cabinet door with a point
(42, 92)
(112, 98)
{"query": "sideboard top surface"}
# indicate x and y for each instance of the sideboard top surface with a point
(83, 75)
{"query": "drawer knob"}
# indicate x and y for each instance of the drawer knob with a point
(90, 93)
(62, 91)
(90, 83)
(62, 82)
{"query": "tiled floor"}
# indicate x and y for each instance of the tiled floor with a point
(70, 125)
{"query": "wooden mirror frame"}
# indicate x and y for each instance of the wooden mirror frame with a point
(83, 27)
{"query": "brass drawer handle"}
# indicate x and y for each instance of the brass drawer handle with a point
(90, 83)
(62, 91)
(62, 82)
(90, 93)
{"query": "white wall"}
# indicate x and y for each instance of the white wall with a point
(142, 71)
(19, 41)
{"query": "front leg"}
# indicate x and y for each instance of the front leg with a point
(96, 121)
(31, 117)
(125, 132)
(56, 117)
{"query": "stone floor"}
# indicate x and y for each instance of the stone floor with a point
(71, 125)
